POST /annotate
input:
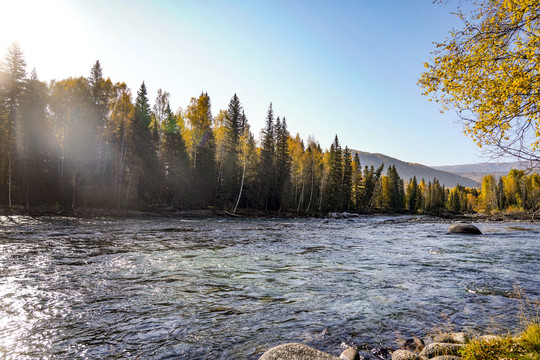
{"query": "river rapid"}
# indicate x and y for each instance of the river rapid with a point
(219, 288)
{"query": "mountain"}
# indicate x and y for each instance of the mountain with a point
(408, 170)
(478, 171)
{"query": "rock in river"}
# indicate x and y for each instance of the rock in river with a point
(463, 228)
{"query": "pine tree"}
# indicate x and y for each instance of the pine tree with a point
(102, 92)
(268, 185)
(347, 180)
(357, 182)
(13, 68)
(175, 161)
(335, 180)
(501, 197)
(396, 189)
(283, 161)
(412, 195)
(234, 123)
(144, 149)
(33, 147)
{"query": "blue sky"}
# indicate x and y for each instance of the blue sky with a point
(330, 67)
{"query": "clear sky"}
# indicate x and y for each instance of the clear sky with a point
(330, 67)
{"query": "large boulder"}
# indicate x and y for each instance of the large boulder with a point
(295, 351)
(463, 228)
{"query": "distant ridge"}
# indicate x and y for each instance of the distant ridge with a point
(478, 171)
(408, 170)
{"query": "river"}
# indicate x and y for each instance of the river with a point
(219, 288)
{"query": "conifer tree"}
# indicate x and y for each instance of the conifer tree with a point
(234, 123)
(175, 160)
(335, 180)
(396, 189)
(14, 73)
(501, 198)
(356, 182)
(412, 195)
(268, 185)
(101, 91)
(315, 173)
(347, 180)
(144, 148)
(283, 160)
(33, 148)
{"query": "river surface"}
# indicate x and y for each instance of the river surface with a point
(231, 288)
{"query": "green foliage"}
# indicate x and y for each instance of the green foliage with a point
(334, 201)
(268, 184)
(233, 126)
(346, 190)
(84, 142)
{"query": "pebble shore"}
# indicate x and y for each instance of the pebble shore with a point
(444, 346)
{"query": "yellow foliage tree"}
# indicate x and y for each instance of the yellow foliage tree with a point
(488, 194)
(489, 72)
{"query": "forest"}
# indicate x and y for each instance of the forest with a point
(89, 142)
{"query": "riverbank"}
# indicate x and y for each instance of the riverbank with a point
(443, 346)
(170, 212)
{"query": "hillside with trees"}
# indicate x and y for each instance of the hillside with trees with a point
(90, 142)
(409, 170)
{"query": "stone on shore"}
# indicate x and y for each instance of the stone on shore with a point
(437, 349)
(451, 338)
(295, 351)
(488, 338)
(463, 228)
(404, 355)
(350, 354)
(415, 344)
(446, 357)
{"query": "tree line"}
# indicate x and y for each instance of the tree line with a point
(90, 142)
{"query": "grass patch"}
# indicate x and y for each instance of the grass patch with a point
(525, 346)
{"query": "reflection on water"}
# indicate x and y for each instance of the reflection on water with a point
(231, 288)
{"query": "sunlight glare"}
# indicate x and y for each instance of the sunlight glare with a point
(41, 28)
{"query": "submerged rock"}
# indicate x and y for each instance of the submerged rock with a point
(463, 228)
(295, 351)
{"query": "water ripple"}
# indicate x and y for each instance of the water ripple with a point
(231, 288)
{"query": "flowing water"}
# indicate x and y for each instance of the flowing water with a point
(231, 288)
